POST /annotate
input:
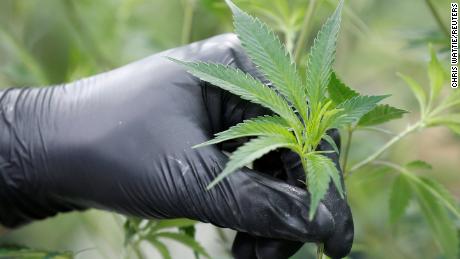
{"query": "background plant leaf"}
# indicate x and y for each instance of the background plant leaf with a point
(451, 121)
(418, 164)
(452, 100)
(380, 114)
(160, 247)
(184, 239)
(444, 120)
(417, 90)
(173, 223)
(399, 197)
(441, 194)
(436, 74)
(441, 225)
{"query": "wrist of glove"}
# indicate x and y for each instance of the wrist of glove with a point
(21, 200)
(122, 141)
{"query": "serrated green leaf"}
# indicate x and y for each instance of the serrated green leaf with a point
(184, 239)
(320, 170)
(161, 248)
(399, 197)
(380, 114)
(436, 75)
(338, 91)
(251, 151)
(173, 223)
(260, 126)
(243, 85)
(418, 164)
(318, 183)
(354, 108)
(331, 142)
(321, 57)
(417, 90)
(266, 51)
(441, 225)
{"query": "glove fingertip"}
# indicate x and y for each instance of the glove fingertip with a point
(340, 243)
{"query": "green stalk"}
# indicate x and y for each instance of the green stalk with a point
(390, 143)
(289, 40)
(437, 18)
(319, 251)
(305, 30)
(189, 8)
(137, 251)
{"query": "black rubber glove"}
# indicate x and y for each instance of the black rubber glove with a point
(122, 141)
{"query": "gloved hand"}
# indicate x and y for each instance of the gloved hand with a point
(121, 141)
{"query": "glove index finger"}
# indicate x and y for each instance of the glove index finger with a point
(261, 205)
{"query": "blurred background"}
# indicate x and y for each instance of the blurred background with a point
(56, 41)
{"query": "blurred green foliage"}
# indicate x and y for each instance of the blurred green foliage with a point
(57, 41)
(16, 252)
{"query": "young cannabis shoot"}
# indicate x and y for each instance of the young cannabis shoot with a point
(302, 111)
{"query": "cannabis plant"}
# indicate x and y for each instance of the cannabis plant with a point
(154, 232)
(437, 205)
(302, 111)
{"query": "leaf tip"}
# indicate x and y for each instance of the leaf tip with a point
(311, 215)
(201, 145)
(177, 61)
(232, 6)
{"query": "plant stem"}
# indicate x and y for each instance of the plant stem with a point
(390, 143)
(437, 17)
(319, 251)
(305, 30)
(137, 250)
(347, 151)
(289, 40)
(189, 8)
